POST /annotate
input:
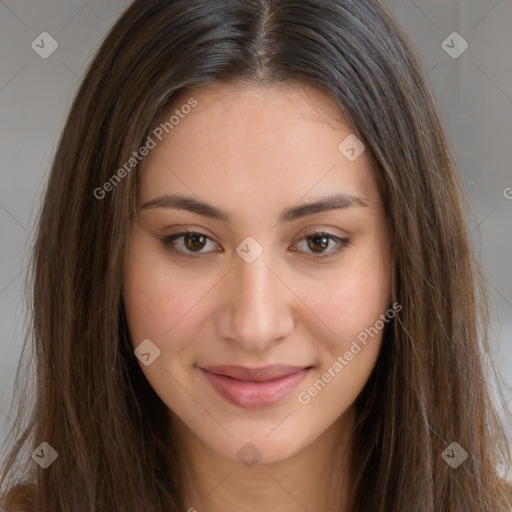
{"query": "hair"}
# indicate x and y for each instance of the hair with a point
(91, 401)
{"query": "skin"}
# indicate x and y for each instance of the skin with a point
(253, 151)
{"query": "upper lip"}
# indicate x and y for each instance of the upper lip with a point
(261, 374)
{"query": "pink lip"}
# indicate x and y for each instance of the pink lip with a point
(254, 387)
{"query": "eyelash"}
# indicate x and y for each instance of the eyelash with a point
(169, 243)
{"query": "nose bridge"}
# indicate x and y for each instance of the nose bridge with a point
(258, 306)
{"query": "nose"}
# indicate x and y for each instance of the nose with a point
(256, 309)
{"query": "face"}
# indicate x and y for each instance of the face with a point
(256, 318)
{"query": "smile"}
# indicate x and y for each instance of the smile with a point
(256, 387)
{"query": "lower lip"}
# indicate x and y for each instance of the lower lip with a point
(252, 395)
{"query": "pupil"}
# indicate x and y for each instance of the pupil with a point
(319, 239)
(191, 240)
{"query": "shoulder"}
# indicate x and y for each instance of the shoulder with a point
(20, 498)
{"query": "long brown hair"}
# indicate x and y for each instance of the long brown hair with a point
(92, 403)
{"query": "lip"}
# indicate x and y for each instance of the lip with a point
(252, 388)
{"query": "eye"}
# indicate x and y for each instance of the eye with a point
(192, 243)
(187, 243)
(322, 244)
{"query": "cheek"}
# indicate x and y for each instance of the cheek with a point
(169, 320)
(353, 308)
(155, 299)
(158, 304)
(354, 299)
(354, 312)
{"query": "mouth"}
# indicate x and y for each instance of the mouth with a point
(253, 388)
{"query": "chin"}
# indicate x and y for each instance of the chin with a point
(254, 448)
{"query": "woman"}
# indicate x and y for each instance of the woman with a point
(253, 280)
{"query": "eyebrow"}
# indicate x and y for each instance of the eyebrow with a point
(177, 201)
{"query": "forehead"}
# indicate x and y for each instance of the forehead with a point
(249, 139)
(270, 104)
(226, 91)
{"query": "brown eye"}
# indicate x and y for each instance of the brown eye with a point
(324, 245)
(194, 241)
(187, 243)
(318, 243)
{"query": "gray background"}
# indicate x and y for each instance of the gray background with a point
(474, 90)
